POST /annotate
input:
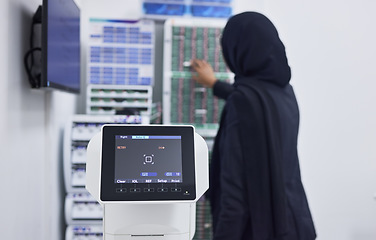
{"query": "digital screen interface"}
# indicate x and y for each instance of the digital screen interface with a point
(148, 159)
(63, 45)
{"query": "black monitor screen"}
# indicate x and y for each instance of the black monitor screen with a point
(61, 45)
(148, 159)
(147, 163)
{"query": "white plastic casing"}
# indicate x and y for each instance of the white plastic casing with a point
(164, 220)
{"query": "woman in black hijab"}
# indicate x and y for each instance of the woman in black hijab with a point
(256, 191)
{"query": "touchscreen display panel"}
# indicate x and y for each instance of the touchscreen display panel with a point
(147, 163)
(148, 159)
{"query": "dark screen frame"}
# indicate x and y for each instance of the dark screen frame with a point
(108, 188)
(45, 42)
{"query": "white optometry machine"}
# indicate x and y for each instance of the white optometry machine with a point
(148, 179)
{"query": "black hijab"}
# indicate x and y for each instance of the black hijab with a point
(253, 51)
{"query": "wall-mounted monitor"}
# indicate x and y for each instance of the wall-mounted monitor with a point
(60, 45)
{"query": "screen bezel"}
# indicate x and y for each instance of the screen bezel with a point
(44, 81)
(108, 188)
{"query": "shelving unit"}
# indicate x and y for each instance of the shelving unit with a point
(83, 214)
(82, 232)
(185, 101)
(81, 208)
(185, 40)
(115, 99)
(120, 52)
(120, 67)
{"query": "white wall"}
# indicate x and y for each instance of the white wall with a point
(31, 121)
(331, 49)
(22, 137)
(3, 72)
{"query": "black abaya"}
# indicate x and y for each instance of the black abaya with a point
(255, 186)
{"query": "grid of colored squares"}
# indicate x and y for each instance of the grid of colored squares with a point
(204, 223)
(194, 103)
(196, 8)
(120, 55)
(117, 76)
(121, 52)
(116, 34)
(196, 42)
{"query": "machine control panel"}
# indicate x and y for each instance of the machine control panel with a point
(147, 163)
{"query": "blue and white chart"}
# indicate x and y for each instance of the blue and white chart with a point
(187, 8)
(121, 52)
